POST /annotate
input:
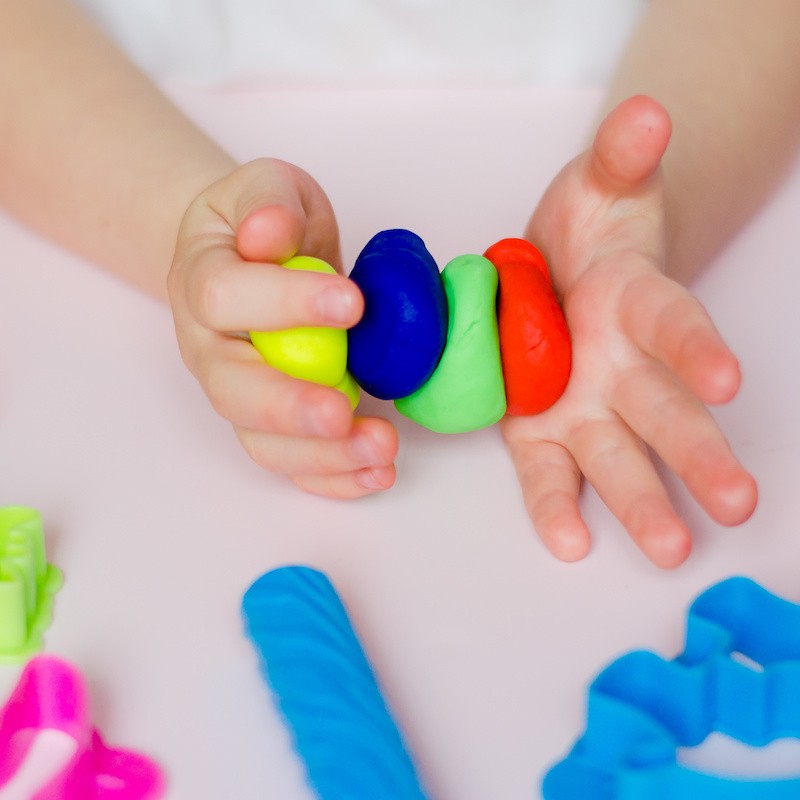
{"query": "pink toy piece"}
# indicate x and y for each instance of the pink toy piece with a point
(51, 695)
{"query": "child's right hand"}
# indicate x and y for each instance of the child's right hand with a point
(225, 280)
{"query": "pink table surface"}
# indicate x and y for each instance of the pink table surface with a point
(484, 644)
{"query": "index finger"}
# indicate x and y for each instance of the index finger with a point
(224, 293)
(667, 322)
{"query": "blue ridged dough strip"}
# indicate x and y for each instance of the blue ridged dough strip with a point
(326, 690)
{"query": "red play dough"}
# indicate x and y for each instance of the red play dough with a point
(535, 347)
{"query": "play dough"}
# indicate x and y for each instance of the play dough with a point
(396, 345)
(316, 354)
(534, 340)
(455, 350)
(466, 390)
(326, 689)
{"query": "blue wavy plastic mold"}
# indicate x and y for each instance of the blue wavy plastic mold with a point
(396, 345)
(325, 689)
(641, 708)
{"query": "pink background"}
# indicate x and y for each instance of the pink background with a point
(485, 645)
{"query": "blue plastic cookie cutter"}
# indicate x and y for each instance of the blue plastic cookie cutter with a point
(325, 688)
(642, 708)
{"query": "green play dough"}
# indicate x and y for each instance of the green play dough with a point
(466, 391)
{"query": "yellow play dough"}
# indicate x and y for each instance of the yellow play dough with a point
(350, 389)
(314, 354)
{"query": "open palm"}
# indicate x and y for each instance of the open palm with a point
(646, 357)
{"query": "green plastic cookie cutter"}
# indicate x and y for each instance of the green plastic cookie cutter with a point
(27, 584)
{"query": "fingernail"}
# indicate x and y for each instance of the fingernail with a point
(369, 479)
(336, 305)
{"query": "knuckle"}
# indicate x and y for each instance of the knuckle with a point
(214, 296)
(217, 394)
(258, 450)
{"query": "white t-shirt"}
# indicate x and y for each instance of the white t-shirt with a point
(368, 42)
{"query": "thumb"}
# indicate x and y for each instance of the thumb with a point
(272, 233)
(630, 142)
(267, 211)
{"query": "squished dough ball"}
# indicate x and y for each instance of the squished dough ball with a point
(348, 387)
(534, 339)
(316, 354)
(396, 345)
(466, 390)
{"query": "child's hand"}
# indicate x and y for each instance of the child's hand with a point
(646, 357)
(225, 280)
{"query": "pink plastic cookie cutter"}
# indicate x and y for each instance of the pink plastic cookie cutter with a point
(51, 695)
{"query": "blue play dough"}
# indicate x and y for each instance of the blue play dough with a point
(642, 708)
(325, 689)
(396, 345)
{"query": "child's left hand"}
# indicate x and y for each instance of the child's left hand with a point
(646, 357)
